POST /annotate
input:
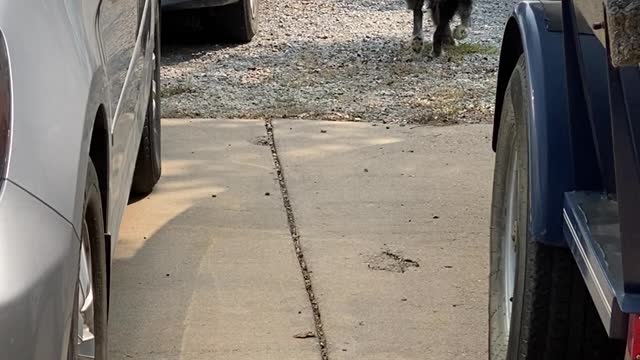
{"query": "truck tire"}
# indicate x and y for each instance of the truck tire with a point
(240, 20)
(539, 307)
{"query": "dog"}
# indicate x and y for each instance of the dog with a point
(442, 12)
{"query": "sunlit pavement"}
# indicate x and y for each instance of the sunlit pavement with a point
(393, 227)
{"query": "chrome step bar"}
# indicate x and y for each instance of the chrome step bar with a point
(591, 228)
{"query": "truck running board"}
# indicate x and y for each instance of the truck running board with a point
(592, 231)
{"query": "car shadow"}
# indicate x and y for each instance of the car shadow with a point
(188, 34)
(183, 262)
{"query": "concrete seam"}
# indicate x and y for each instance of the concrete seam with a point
(296, 238)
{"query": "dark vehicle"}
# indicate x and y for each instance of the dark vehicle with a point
(236, 20)
(565, 224)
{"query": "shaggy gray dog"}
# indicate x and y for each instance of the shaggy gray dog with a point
(442, 12)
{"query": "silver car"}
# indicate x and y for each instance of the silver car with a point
(79, 131)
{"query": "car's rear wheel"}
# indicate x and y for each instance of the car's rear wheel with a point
(89, 330)
(149, 162)
(239, 20)
(539, 307)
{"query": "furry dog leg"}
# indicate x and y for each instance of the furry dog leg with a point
(442, 11)
(464, 10)
(417, 41)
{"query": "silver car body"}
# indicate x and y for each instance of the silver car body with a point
(79, 68)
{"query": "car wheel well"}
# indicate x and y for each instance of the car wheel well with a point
(509, 56)
(99, 154)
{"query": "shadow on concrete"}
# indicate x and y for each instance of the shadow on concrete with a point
(168, 237)
(204, 266)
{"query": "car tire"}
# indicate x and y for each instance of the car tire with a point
(539, 307)
(149, 161)
(92, 289)
(240, 20)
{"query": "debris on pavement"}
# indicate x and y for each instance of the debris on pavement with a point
(261, 141)
(305, 335)
(389, 261)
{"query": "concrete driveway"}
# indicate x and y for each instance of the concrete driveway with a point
(307, 240)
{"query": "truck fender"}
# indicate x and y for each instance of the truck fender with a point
(531, 31)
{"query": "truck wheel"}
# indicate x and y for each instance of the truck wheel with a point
(240, 20)
(149, 162)
(539, 307)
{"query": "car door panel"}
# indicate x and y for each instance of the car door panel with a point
(125, 39)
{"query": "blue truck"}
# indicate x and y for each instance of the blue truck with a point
(565, 217)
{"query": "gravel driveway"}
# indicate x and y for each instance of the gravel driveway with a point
(338, 60)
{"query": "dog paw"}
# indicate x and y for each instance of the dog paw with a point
(436, 53)
(460, 32)
(416, 44)
(451, 41)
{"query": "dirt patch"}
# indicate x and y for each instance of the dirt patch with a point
(392, 262)
(169, 90)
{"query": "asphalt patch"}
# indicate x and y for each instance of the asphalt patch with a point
(392, 262)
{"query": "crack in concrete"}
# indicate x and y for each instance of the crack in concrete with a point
(295, 237)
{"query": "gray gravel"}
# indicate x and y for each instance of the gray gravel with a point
(338, 60)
